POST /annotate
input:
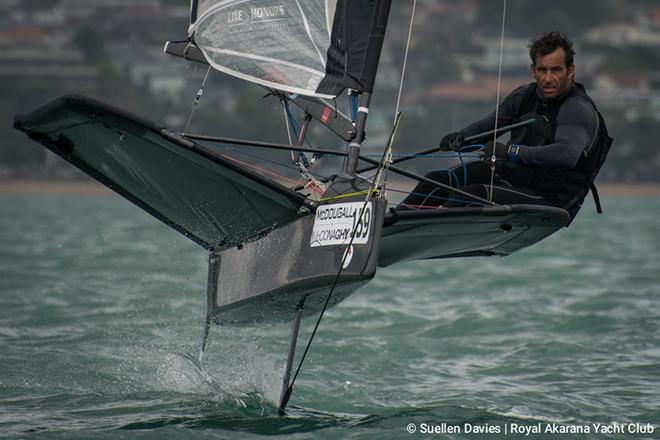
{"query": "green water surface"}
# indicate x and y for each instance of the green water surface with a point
(102, 311)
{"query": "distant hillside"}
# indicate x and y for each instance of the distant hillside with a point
(112, 50)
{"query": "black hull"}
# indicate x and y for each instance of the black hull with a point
(268, 278)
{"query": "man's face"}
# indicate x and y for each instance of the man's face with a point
(551, 74)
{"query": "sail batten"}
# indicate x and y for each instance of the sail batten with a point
(264, 82)
(262, 58)
(309, 33)
(291, 45)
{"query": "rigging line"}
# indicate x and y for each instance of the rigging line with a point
(500, 131)
(343, 196)
(413, 155)
(286, 122)
(384, 162)
(258, 168)
(288, 129)
(497, 104)
(428, 197)
(405, 59)
(300, 136)
(465, 170)
(291, 124)
(274, 162)
(289, 390)
(394, 169)
(199, 95)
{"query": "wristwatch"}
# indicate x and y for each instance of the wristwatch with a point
(512, 153)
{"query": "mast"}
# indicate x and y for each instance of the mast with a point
(353, 56)
(351, 163)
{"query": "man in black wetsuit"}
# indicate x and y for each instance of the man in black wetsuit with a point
(552, 162)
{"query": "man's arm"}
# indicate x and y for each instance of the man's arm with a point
(576, 128)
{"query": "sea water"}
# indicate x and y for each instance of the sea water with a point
(102, 316)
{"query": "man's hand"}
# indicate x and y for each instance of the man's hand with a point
(501, 151)
(452, 141)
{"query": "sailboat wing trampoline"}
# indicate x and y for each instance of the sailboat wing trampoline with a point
(193, 189)
(466, 232)
(263, 260)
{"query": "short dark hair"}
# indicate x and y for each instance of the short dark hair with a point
(548, 43)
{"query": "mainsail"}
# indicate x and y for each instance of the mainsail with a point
(311, 47)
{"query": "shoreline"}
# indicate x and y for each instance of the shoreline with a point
(26, 187)
(36, 187)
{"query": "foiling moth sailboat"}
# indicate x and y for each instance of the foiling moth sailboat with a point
(277, 252)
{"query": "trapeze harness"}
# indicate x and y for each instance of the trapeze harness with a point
(517, 184)
(565, 188)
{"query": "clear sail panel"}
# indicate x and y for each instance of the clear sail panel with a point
(280, 44)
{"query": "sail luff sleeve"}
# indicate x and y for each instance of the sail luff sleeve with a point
(355, 45)
(193, 11)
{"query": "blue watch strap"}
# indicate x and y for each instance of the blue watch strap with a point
(512, 153)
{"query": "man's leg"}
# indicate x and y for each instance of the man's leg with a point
(425, 195)
(505, 195)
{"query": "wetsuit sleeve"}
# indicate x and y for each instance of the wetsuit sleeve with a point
(575, 131)
(506, 115)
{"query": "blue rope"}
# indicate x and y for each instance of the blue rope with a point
(468, 148)
(296, 130)
(464, 165)
(452, 175)
(471, 147)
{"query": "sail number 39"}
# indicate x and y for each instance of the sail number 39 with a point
(335, 224)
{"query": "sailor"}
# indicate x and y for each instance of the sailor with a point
(551, 162)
